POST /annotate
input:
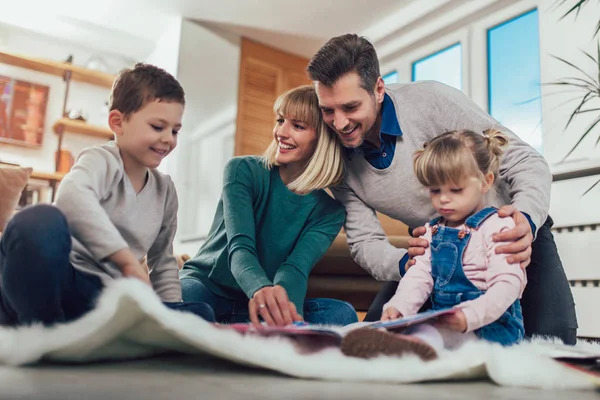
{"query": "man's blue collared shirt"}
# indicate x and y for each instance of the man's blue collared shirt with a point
(382, 157)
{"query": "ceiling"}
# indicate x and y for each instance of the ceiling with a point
(131, 28)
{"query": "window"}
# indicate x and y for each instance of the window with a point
(392, 77)
(514, 89)
(444, 66)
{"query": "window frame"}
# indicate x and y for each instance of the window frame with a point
(479, 47)
(393, 71)
(404, 64)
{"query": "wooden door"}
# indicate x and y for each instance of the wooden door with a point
(265, 73)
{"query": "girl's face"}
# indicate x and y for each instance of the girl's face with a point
(296, 140)
(456, 202)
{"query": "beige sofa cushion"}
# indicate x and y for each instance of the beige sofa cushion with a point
(12, 182)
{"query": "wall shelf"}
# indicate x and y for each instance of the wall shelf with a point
(69, 73)
(79, 74)
(83, 128)
(47, 176)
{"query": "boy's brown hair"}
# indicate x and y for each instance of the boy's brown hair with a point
(137, 86)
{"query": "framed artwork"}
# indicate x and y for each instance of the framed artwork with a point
(22, 112)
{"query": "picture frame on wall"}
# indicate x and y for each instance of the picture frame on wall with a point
(22, 112)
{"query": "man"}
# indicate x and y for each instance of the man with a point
(382, 127)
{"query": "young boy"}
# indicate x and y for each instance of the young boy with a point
(112, 210)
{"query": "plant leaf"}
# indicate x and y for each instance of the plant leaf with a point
(596, 63)
(598, 139)
(591, 84)
(591, 57)
(591, 187)
(589, 110)
(561, 92)
(587, 88)
(576, 8)
(575, 112)
(520, 103)
(574, 66)
(588, 130)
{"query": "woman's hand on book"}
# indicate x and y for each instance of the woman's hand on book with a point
(273, 305)
(390, 314)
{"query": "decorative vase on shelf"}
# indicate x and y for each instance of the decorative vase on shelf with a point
(76, 114)
(97, 64)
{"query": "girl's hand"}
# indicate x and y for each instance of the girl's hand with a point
(455, 322)
(390, 313)
(273, 305)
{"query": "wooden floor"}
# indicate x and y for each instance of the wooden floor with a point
(179, 377)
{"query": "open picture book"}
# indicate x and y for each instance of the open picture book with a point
(574, 357)
(303, 329)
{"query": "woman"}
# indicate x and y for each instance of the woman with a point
(273, 223)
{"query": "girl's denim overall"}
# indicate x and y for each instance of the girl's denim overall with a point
(452, 287)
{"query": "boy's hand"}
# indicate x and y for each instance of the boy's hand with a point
(390, 314)
(455, 322)
(138, 271)
(416, 245)
(130, 266)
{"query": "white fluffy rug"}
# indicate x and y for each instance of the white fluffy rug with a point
(131, 322)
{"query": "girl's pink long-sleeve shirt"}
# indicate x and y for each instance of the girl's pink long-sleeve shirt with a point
(502, 282)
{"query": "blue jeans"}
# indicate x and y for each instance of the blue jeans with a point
(38, 282)
(316, 311)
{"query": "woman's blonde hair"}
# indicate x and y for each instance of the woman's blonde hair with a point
(326, 166)
(455, 155)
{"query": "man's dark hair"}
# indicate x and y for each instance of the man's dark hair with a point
(136, 87)
(344, 54)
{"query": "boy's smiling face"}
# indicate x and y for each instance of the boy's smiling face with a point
(148, 135)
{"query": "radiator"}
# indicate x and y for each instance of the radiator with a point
(579, 249)
(576, 216)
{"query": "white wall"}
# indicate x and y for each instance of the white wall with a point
(166, 51)
(209, 73)
(166, 55)
(89, 97)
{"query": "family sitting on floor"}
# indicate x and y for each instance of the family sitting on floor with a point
(422, 153)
